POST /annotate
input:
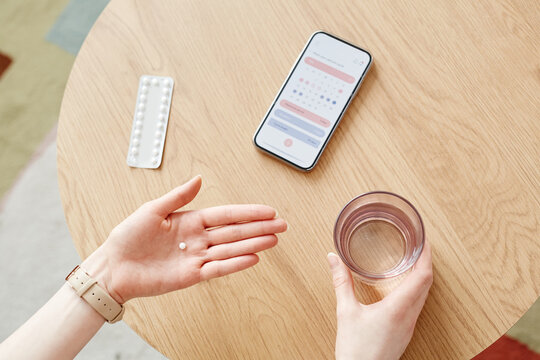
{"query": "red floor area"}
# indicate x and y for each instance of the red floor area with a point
(4, 63)
(507, 348)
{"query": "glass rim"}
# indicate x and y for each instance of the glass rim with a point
(371, 276)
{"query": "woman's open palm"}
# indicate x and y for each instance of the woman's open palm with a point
(143, 254)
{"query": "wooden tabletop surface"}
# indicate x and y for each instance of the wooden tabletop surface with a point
(448, 117)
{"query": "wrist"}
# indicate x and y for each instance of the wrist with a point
(97, 265)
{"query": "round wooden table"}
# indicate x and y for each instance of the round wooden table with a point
(448, 117)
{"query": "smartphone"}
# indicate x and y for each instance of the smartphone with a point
(312, 100)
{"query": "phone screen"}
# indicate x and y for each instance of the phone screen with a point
(312, 100)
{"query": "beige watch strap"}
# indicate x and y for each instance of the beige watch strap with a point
(95, 295)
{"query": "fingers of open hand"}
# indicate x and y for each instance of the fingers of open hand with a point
(217, 268)
(235, 232)
(230, 214)
(241, 247)
(343, 284)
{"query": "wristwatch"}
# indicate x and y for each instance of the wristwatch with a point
(95, 295)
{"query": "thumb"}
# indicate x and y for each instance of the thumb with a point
(343, 283)
(178, 197)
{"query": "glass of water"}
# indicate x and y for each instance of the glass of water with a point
(379, 235)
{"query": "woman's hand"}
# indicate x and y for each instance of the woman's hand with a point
(142, 257)
(381, 330)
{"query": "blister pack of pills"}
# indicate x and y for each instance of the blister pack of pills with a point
(150, 121)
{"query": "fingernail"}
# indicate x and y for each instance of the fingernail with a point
(277, 214)
(195, 178)
(332, 260)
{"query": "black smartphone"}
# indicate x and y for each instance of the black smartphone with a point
(312, 100)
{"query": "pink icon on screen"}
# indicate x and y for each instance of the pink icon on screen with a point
(340, 91)
(301, 79)
(287, 142)
(305, 113)
(329, 70)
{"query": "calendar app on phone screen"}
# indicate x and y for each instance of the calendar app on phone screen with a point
(312, 100)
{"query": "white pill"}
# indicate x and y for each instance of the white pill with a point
(142, 98)
(135, 142)
(157, 143)
(164, 100)
(146, 81)
(161, 118)
(163, 109)
(141, 106)
(166, 91)
(155, 152)
(182, 245)
(137, 132)
(159, 134)
(140, 115)
(154, 161)
(134, 151)
(167, 83)
(144, 90)
(138, 124)
(155, 81)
